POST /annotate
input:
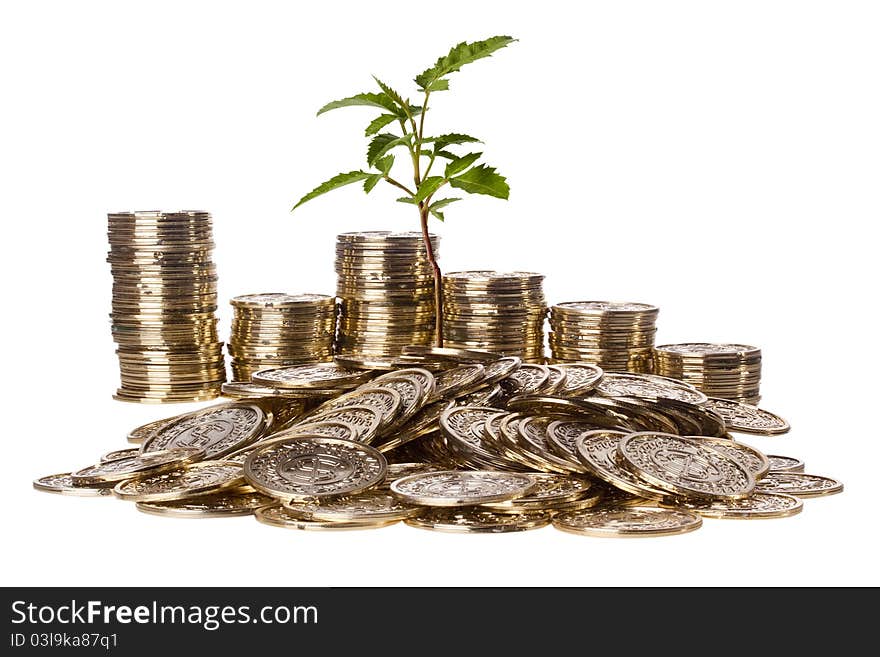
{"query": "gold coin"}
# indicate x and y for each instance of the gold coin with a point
(206, 477)
(63, 484)
(755, 506)
(477, 521)
(277, 515)
(219, 505)
(628, 521)
(799, 484)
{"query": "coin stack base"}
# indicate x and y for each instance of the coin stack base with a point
(726, 371)
(164, 303)
(616, 336)
(495, 311)
(272, 330)
(386, 290)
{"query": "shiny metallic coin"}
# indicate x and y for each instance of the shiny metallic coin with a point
(229, 504)
(320, 375)
(119, 454)
(140, 434)
(647, 386)
(785, 463)
(189, 481)
(386, 400)
(755, 460)
(550, 490)
(462, 487)
(799, 484)
(580, 378)
(527, 378)
(451, 383)
(446, 353)
(329, 428)
(628, 522)
(598, 451)
(755, 506)
(477, 521)
(684, 467)
(141, 465)
(375, 504)
(63, 484)
(748, 419)
(304, 467)
(366, 420)
(277, 515)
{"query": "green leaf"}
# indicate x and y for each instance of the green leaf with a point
(443, 202)
(384, 164)
(446, 154)
(372, 181)
(335, 182)
(439, 85)
(482, 179)
(382, 143)
(438, 215)
(460, 164)
(452, 138)
(406, 199)
(403, 105)
(429, 185)
(382, 101)
(378, 123)
(458, 56)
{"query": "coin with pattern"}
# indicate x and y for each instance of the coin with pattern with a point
(755, 460)
(120, 454)
(785, 463)
(580, 378)
(462, 487)
(277, 515)
(319, 375)
(218, 505)
(305, 467)
(748, 419)
(141, 433)
(375, 504)
(63, 484)
(527, 378)
(597, 450)
(386, 400)
(755, 506)
(423, 376)
(330, 428)
(648, 386)
(451, 383)
(141, 465)
(799, 484)
(477, 521)
(628, 521)
(190, 481)
(550, 490)
(366, 420)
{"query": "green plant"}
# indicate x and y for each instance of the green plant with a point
(461, 172)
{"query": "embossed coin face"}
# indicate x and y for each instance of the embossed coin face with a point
(477, 521)
(141, 433)
(138, 466)
(375, 504)
(320, 375)
(580, 378)
(799, 484)
(330, 428)
(63, 484)
(550, 490)
(386, 400)
(748, 419)
(412, 396)
(628, 521)
(532, 436)
(755, 460)
(190, 481)
(446, 353)
(400, 470)
(423, 376)
(462, 487)
(120, 454)
(755, 506)
(305, 467)
(648, 386)
(563, 434)
(277, 515)
(684, 467)
(366, 420)
(708, 348)
(597, 450)
(451, 383)
(220, 505)
(500, 369)
(219, 430)
(527, 378)
(785, 463)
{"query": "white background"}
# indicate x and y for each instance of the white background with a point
(717, 159)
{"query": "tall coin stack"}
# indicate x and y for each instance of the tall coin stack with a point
(164, 304)
(386, 290)
(728, 371)
(495, 311)
(278, 330)
(616, 336)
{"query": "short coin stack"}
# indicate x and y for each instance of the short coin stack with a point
(494, 311)
(728, 371)
(164, 304)
(277, 330)
(386, 290)
(618, 337)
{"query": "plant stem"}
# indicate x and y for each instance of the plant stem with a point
(438, 276)
(391, 180)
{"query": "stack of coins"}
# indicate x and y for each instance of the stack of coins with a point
(616, 336)
(277, 330)
(727, 371)
(164, 303)
(386, 290)
(495, 311)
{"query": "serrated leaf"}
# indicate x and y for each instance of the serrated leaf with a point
(460, 164)
(372, 181)
(384, 164)
(443, 202)
(367, 99)
(393, 95)
(438, 215)
(443, 141)
(482, 179)
(378, 123)
(382, 143)
(446, 154)
(406, 199)
(429, 185)
(458, 56)
(439, 85)
(335, 182)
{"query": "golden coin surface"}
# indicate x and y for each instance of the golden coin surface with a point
(477, 521)
(799, 484)
(330, 428)
(748, 419)
(375, 504)
(304, 467)
(648, 386)
(119, 454)
(462, 487)
(755, 506)
(219, 505)
(597, 450)
(528, 378)
(386, 400)
(684, 467)
(320, 375)
(628, 521)
(190, 481)
(785, 463)
(139, 434)
(425, 378)
(63, 484)
(446, 353)
(754, 459)
(451, 383)
(580, 378)
(549, 490)
(141, 465)
(365, 420)
(277, 515)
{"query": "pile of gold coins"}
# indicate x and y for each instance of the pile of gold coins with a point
(499, 312)
(385, 287)
(487, 444)
(163, 309)
(276, 330)
(727, 371)
(616, 336)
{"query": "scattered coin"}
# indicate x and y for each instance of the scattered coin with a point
(478, 521)
(63, 484)
(141, 465)
(189, 481)
(462, 487)
(375, 504)
(456, 381)
(799, 484)
(648, 386)
(218, 505)
(755, 506)
(598, 452)
(550, 490)
(755, 460)
(785, 464)
(628, 521)
(120, 454)
(320, 375)
(748, 419)
(579, 378)
(277, 515)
